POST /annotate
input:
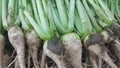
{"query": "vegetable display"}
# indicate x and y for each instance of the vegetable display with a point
(59, 33)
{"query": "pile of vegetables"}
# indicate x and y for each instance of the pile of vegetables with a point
(59, 34)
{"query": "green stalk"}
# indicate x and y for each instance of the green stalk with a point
(40, 22)
(51, 21)
(0, 16)
(79, 25)
(45, 6)
(102, 24)
(91, 16)
(24, 3)
(35, 11)
(117, 11)
(84, 19)
(60, 28)
(62, 13)
(112, 3)
(107, 11)
(108, 1)
(56, 18)
(100, 13)
(37, 28)
(29, 8)
(16, 9)
(71, 16)
(22, 17)
(96, 2)
(44, 21)
(70, 7)
(17, 21)
(11, 13)
(114, 7)
(23, 21)
(67, 4)
(4, 13)
(17, 16)
(46, 10)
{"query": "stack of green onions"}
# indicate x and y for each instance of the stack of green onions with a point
(73, 20)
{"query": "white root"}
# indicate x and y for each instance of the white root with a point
(99, 62)
(116, 48)
(16, 38)
(93, 59)
(73, 49)
(16, 64)
(33, 42)
(96, 49)
(12, 62)
(56, 58)
(43, 60)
